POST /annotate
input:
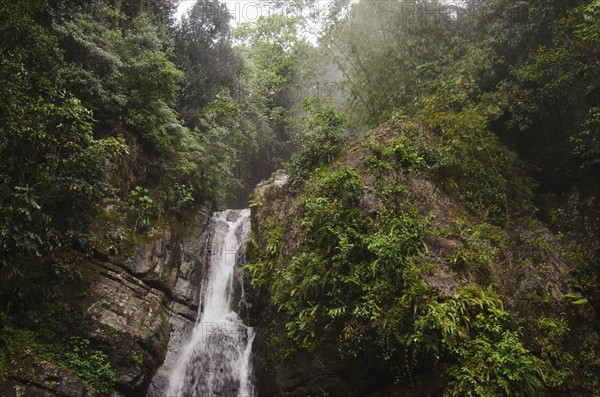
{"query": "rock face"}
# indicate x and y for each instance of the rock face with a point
(134, 304)
(530, 271)
(323, 371)
(183, 320)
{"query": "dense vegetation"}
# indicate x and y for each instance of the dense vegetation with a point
(117, 120)
(345, 263)
(492, 101)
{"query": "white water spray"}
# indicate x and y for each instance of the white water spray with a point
(216, 361)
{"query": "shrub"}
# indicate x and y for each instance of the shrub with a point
(92, 367)
(475, 330)
(323, 128)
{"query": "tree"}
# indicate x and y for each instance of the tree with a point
(390, 52)
(277, 63)
(566, 72)
(203, 50)
(53, 170)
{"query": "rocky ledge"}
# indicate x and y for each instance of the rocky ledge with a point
(529, 269)
(134, 304)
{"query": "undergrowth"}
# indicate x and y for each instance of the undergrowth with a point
(51, 333)
(354, 279)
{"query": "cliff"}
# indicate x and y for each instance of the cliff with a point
(127, 306)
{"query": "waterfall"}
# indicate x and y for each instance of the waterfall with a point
(216, 360)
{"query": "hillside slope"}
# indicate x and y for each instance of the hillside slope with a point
(387, 274)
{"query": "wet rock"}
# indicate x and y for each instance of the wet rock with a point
(134, 305)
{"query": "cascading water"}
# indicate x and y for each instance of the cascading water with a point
(216, 360)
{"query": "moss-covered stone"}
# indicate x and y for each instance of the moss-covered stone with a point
(309, 245)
